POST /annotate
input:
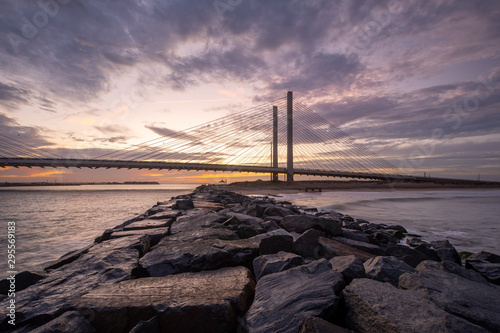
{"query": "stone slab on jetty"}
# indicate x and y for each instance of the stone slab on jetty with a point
(190, 302)
(217, 261)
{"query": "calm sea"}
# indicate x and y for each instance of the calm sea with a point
(53, 220)
(469, 219)
(50, 221)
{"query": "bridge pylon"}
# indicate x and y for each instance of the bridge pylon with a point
(289, 141)
(275, 143)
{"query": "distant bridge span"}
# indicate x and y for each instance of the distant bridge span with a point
(109, 164)
(118, 164)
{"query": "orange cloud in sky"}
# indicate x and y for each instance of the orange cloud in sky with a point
(52, 173)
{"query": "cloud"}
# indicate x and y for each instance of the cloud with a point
(34, 174)
(280, 24)
(113, 139)
(112, 129)
(27, 137)
(52, 173)
(11, 96)
(152, 175)
(226, 107)
(320, 71)
(284, 44)
(179, 135)
(210, 65)
(351, 109)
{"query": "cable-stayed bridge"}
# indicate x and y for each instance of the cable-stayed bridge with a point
(279, 137)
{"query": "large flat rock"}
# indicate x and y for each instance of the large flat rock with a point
(173, 257)
(207, 205)
(386, 269)
(452, 267)
(216, 231)
(276, 243)
(154, 235)
(446, 251)
(351, 267)
(148, 224)
(199, 224)
(67, 258)
(355, 235)
(307, 244)
(302, 223)
(165, 215)
(284, 300)
(375, 306)
(363, 246)
(477, 302)
(243, 218)
(23, 281)
(208, 301)
(196, 219)
(405, 253)
(490, 271)
(107, 262)
(488, 256)
(334, 248)
(275, 263)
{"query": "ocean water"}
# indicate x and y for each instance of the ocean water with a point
(53, 220)
(469, 219)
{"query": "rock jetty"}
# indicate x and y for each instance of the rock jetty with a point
(217, 261)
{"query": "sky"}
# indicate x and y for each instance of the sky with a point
(417, 82)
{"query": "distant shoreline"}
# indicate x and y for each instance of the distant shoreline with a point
(76, 184)
(272, 188)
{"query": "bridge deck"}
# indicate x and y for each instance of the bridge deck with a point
(118, 164)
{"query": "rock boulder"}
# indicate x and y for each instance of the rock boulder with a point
(386, 269)
(307, 245)
(360, 245)
(490, 271)
(173, 257)
(284, 300)
(275, 263)
(483, 255)
(476, 302)
(107, 262)
(276, 243)
(301, 223)
(378, 307)
(214, 298)
(452, 267)
(333, 248)
(404, 253)
(23, 281)
(351, 267)
(446, 251)
(184, 204)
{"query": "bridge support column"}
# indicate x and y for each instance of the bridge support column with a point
(275, 143)
(289, 141)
